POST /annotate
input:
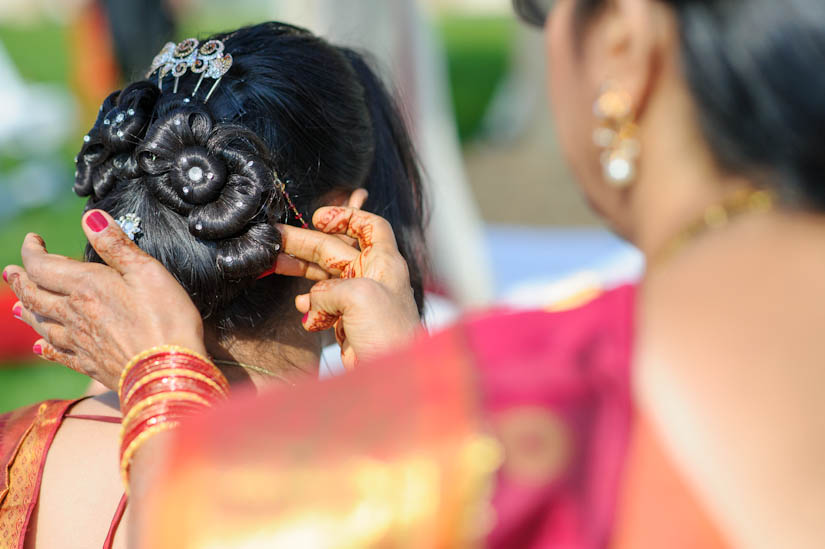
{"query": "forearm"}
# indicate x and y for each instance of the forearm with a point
(148, 466)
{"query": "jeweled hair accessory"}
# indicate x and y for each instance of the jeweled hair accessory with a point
(295, 211)
(130, 224)
(207, 59)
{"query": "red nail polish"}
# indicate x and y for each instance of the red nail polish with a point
(37, 349)
(5, 276)
(96, 222)
(304, 320)
(17, 311)
(267, 273)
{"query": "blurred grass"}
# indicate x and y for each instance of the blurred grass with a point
(478, 55)
(28, 383)
(22, 384)
(477, 58)
(39, 51)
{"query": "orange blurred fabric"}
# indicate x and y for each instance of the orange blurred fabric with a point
(94, 68)
(507, 431)
(657, 508)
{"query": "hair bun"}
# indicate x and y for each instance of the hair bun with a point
(107, 155)
(217, 176)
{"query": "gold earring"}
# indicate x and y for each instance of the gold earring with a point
(616, 135)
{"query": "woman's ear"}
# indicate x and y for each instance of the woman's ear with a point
(355, 199)
(626, 48)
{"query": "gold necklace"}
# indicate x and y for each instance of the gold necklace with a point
(257, 369)
(715, 217)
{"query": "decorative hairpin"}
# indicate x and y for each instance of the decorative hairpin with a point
(208, 60)
(281, 187)
(130, 224)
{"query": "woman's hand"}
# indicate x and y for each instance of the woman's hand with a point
(364, 294)
(94, 318)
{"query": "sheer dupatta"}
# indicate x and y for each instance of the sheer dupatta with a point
(508, 430)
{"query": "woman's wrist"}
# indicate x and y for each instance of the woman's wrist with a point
(160, 387)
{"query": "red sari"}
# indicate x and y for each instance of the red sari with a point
(509, 430)
(25, 437)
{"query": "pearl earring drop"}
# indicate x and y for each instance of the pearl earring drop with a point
(616, 136)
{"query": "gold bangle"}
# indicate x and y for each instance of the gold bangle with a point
(174, 395)
(171, 372)
(156, 350)
(135, 444)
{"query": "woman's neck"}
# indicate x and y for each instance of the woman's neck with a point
(679, 179)
(679, 176)
(266, 362)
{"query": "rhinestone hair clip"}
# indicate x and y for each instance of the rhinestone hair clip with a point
(130, 224)
(207, 59)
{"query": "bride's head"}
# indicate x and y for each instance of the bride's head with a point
(201, 175)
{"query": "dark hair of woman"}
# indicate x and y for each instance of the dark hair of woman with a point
(753, 68)
(291, 104)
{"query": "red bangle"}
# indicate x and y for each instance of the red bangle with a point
(157, 351)
(160, 387)
(173, 371)
(171, 414)
(171, 409)
(170, 384)
(174, 361)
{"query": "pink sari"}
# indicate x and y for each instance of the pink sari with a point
(508, 430)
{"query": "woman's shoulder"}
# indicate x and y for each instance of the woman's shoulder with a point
(82, 467)
(730, 368)
(25, 437)
(38, 420)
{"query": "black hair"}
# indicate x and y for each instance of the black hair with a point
(754, 68)
(202, 175)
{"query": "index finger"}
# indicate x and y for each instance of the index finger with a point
(370, 229)
(52, 272)
(112, 245)
(326, 251)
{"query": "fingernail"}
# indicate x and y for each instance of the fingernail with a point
(37, 349)
(306, 317)
(5, 276)
(17, 311)
(267, 273)
(96, 222)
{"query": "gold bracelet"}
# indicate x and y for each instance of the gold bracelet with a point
(126, 459)
(174, 395)
(171, 372)
(156, 350)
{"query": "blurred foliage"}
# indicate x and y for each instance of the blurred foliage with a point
(28, 383)
(39, 51)
(478, 55)
(22, 384)
(58, 223)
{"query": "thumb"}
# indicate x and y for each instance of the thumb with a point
(111, 243)
(337, 298)
(324, 304)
